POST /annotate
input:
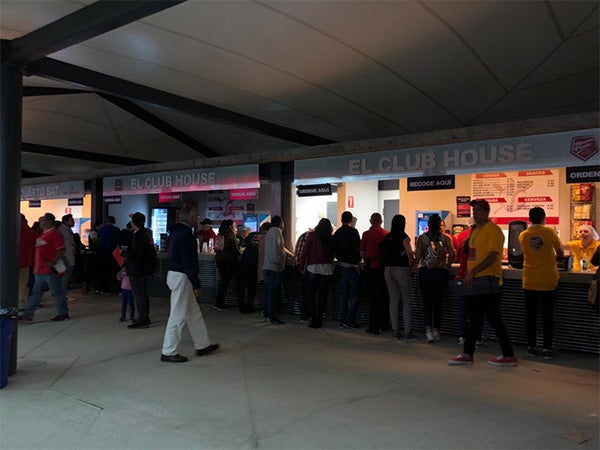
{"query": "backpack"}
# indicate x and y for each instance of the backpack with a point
(219, 245)
(150, 257)
(392, 252)
(435, 252)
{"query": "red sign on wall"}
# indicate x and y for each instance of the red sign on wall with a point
(350, 201)
(166, 197)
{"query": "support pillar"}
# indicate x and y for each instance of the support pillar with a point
(11, 96)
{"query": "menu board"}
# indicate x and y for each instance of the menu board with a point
(512, 194)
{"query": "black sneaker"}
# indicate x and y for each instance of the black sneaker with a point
(276, 322)
(372, 331)
(532, 352)
(547, 354)
(221, 308)
(173, 358)
(60, 318)
(136, 325)
(410, 336)
(345, 325)
(206, 350)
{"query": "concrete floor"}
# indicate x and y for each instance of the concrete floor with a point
(91, 383)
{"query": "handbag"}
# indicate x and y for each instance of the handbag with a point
(481, 286)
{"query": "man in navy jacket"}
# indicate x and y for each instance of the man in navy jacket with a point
(182, 279)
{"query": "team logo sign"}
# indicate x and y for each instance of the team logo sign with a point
(584, 147)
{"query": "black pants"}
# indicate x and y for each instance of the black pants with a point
(247, 279)
(140, 297)
(433, 283)
(305, 311)
(379, 303)
(540, 301)
(478, 307)
(226, 270)
(317, 286)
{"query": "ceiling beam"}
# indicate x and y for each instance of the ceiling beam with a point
(85, 156)
(33, 91)
(85, 23)
(52, 68)
(160, 124)
(29, 174)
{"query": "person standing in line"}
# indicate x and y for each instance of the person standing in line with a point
(378, 295)
(49, 250)
(249, 271)
(317, 257)
(26, 254)
(541, 245)
(435, 254)
(452, 237)
(305, 314)
(346, 248)
(397, 256)
(182, 279)
(226, 259)
(126, 296)
(65, 229)
(273, 267)
(136, 266)
(485, 260)
(108, 238)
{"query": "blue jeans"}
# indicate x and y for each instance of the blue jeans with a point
(273, 282)
(349, 293)
(57, 287)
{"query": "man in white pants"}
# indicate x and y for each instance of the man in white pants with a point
(182, 279)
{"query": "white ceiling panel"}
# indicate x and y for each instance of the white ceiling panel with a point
(22, 16)
(509, 37)
(162, 149)
(574, 16)
(56, 164)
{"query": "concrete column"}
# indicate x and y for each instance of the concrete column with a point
(11, 93)
(11, 96)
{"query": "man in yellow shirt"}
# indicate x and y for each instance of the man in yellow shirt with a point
(540, 246)
(485, 260)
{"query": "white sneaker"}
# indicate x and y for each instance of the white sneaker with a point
(461, 341)
(436, 335)
(429, 335)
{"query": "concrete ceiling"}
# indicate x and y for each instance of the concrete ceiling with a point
(334, 71)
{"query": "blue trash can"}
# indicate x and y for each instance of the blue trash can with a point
(7, 326)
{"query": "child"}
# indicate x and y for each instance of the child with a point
(126, 295)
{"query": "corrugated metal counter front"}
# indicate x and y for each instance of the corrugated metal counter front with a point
(577, 324)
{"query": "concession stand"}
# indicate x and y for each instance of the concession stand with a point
(232, 192)
(557, 171)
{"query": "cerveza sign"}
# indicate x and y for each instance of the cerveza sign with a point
(65, 189)
(209, 179)
(314, 190)
(430, 183)
(506, 154)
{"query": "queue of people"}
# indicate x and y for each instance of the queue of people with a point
(387, 259)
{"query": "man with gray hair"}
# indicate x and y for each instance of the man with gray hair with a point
(182, 279)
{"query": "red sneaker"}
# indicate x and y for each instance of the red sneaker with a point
(461, 360)
(508, 361)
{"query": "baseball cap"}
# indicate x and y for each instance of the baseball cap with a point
(206, 221)
(138, 219)
(481, 203)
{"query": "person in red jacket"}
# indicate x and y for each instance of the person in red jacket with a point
(316, 257)
(379, 314)
(26, 252)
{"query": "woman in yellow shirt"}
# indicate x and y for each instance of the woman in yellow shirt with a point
(586, 245)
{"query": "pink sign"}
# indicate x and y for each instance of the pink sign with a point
(243, 194)
(166, 197)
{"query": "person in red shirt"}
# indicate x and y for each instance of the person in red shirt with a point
(206, 233)
(49, 253)
(378, 296)
(26, 252)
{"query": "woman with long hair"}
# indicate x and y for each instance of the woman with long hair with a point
(396, 256)
(435, 254)
(226, 256)
(317, 259)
